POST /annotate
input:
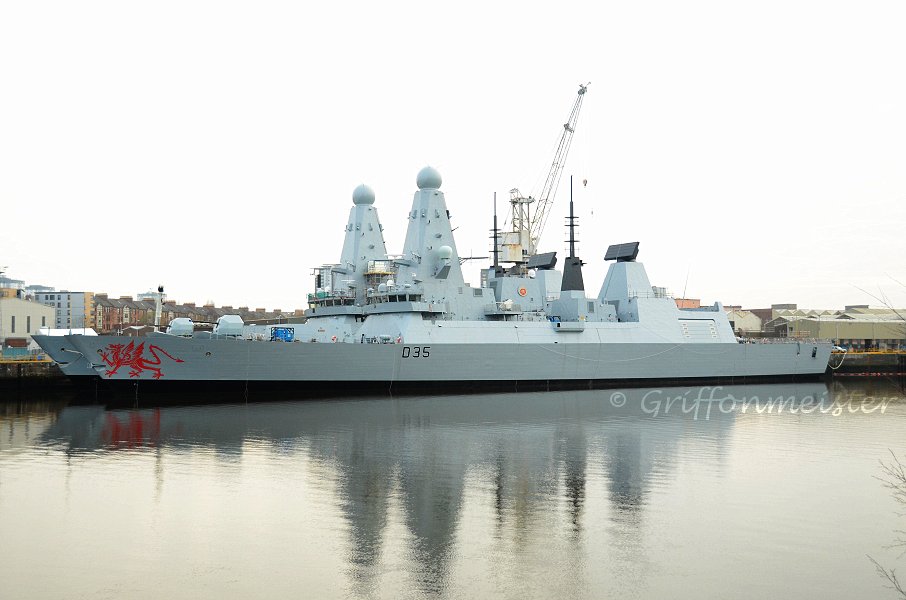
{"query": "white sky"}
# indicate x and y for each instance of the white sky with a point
(756, 150)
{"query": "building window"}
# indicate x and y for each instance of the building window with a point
(12, 324)
(43, 321)
(28, 324)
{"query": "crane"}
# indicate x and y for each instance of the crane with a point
(527, 225)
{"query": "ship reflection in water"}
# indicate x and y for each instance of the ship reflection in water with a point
(574, 494)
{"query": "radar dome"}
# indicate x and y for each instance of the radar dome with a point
(445, 252)
(428, 179)
(363, 195)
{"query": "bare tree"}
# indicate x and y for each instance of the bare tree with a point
(894, 479)
(882, 298)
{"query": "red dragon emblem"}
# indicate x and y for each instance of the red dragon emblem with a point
(132, 356)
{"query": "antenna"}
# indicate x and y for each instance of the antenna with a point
(572, 221)
(495, 235)
(158, 306)
(685, 285)
(572, 269)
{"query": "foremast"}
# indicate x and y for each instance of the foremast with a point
(342, 288)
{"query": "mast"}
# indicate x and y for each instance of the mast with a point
(158, 306)
(572, 222)
(572, 268)
(495, 236)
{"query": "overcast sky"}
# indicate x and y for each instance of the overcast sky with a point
(756, 150)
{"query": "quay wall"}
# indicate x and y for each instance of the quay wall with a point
(19, 374)
(869, 364)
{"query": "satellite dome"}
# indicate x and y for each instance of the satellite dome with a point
(428, 179)
(363, 195)
(445, 252)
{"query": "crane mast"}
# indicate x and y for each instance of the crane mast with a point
(528, 223)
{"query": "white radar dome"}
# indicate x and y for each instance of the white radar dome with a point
(363, 195)
(445, 252)
(428, 179)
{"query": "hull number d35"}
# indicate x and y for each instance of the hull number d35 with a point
(416, 351)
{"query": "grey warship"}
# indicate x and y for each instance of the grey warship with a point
(360, 263)
(382, 323)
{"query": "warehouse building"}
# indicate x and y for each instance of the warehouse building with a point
(858, 329)
(19, 319)
(743, 322)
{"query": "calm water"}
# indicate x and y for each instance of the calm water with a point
(633, 494)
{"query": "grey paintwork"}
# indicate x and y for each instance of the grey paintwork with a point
(439, 360)
(424, 323)
(63, 352)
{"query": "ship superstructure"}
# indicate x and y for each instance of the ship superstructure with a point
(336, 308)
(340, 289)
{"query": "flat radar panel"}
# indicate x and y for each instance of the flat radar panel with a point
(622, 252)
(543, 261)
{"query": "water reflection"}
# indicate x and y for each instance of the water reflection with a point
(532, 462)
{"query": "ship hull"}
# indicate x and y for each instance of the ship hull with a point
(167, 364)
(221, 391)
(63, 352)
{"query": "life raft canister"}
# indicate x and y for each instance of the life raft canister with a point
(523, 291)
